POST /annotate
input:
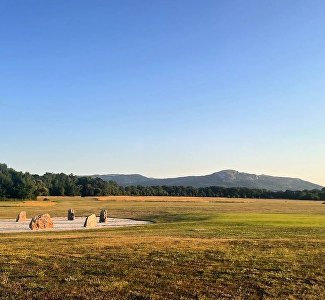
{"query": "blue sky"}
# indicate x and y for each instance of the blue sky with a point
(163, 88)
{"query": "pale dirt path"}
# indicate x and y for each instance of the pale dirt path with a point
(61, 223)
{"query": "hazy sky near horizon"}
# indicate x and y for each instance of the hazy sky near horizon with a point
(163, 88)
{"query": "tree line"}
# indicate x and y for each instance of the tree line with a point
(19, 185)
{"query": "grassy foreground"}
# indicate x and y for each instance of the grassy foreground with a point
(197, 248)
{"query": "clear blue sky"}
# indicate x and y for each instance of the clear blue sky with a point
(163, 88)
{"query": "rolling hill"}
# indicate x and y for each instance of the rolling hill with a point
(225, 178)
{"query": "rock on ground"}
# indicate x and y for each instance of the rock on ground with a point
(21, 217)
(71, 214)
(103, 216)
(91, 221)
(41, 222)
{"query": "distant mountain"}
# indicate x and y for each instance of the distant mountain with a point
(226, 178)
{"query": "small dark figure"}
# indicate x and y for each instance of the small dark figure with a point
(71, 215)
(103, 216)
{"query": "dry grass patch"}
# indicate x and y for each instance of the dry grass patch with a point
(153, 199)
(172, 199)
(113, 265)
(36, 204)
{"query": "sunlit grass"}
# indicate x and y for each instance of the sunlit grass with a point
(252, 249)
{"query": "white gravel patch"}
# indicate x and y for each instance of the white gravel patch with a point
(61, 223)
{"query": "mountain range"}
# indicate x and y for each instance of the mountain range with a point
(225, 178)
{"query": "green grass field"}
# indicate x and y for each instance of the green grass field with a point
(196, 248)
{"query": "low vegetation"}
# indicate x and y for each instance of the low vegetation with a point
(197, 248)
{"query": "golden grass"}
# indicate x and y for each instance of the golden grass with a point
(187, 199)
(36, 204)
(198, 248)
(144, 207)
(168, 199)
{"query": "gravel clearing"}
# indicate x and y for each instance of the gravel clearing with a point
(61, 223)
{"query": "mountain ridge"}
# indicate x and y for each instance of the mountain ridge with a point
(225, 178)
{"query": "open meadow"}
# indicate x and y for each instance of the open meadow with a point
(196, 248)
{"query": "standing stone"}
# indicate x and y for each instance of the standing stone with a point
(103, 216)
(21, 217)
(41, 222)
(91, 221)
(71, 214)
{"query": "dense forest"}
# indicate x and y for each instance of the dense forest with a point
(19, 185)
